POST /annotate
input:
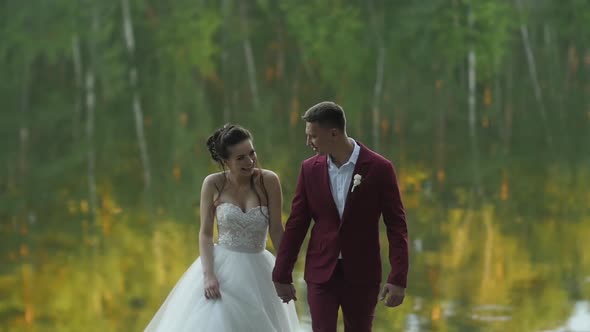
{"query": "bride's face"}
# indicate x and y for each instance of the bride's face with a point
(242, 158)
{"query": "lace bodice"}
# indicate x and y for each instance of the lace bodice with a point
(242, 231)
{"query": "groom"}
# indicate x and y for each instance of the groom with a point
(345, 189)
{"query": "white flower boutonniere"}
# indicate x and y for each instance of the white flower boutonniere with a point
(356, 180)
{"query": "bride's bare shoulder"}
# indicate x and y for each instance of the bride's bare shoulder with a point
(214, 180)
(269, 176)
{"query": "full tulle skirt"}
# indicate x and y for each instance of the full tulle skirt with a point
(248, 299)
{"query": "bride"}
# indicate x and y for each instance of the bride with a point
(229, 288)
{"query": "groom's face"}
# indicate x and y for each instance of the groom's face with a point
(318, 138)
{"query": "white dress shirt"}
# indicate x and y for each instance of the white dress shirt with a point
(340, 177)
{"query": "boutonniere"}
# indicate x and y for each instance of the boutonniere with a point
(356, 180)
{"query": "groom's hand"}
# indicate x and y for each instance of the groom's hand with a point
(286, 292)
(392, 295)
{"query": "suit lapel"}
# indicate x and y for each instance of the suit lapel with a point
(320, 170)
(361, 168)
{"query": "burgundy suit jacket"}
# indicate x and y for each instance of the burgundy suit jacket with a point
(356, 236)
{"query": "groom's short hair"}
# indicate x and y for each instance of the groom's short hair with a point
(326, 114)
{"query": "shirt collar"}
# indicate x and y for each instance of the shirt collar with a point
(353, 157)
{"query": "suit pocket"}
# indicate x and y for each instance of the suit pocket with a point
(315, 248)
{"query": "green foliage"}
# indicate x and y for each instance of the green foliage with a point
(185, 36)
(443, 29)
(329, 37)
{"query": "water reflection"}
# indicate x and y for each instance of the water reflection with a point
(489, 268)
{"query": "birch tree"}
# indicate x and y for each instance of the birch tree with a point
(471, 101)
(249, 56)
(90, 83)
(380, 72)
(136, 107)
(531, 62)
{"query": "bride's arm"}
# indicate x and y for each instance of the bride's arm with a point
(211, 284)
(275, 207)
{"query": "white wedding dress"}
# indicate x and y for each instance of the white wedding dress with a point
(243, 267)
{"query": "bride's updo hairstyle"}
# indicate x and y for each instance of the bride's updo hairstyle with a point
(223, 138)
(219, 143)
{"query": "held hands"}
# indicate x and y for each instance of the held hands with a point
(211, 287)
(286, 292)
(392, 295)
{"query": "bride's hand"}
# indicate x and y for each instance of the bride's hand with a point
(211, 287)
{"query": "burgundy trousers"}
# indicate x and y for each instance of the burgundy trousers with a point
(357, 301)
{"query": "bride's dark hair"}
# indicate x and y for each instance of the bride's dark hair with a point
(219, 143)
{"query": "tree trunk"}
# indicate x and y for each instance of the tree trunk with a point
(91, 153)
(498, 96)
(24, 132)
(137, 109)
(399, 119)
(508, 109)
(294, 106)
(377, 95)
(440, 142)
(471, 101)
(533, 70)
(26, 216)
(380, 72)
(79, 82)
(90, 82)
(225, 70)
(533, 73)
(249, 57)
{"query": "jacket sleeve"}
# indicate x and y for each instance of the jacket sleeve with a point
(295, 230)
(394, 217)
